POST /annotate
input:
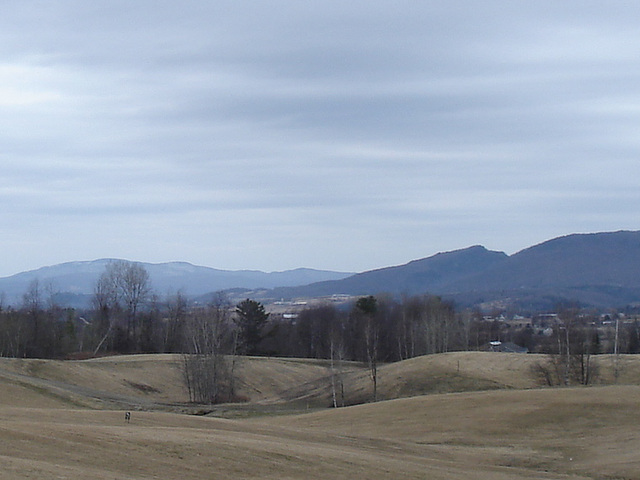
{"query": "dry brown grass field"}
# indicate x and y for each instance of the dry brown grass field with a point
(463, 415)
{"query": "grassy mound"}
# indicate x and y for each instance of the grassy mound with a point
(577, 433)
(155, 381)
(66, 420)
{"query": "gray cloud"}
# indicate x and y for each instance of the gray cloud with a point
(323, 134)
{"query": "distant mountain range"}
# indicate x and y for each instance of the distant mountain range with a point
(73, 282)
(599, 269)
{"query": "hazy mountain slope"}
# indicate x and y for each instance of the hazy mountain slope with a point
(600, 269)
(577, 260)
(197, 280)
(79, 278)
(427, 274)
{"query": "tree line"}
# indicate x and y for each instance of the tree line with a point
(576, 336)
(127, 317)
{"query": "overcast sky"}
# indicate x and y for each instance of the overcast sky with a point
(327, 134)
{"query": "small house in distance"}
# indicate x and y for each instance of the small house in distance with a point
(506, 347)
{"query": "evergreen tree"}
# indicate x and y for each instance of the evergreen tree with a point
(251, 319)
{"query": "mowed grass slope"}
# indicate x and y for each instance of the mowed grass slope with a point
(65, 420)
(577, 433)
(137, 380)
(590, 432)
(147, 381)
(154, 381)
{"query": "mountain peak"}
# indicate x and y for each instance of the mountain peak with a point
(80, 277)
(593, 268)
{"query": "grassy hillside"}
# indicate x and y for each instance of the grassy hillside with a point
(142, 380)
(583, 431)
(65, 420)
(507, 434)
(148, 382)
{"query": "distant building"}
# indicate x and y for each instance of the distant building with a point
(545, 320)
(506, 347)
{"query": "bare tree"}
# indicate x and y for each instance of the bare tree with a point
(177, 309)
(134, 286)
(367, 307)
(616, 350)
(576, 340)
(105, 302)
(120, 291)
(33, 307)
(337, 351)
(337, 357)
(207, 373)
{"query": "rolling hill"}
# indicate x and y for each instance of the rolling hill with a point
(65, 420)
(154, 382)
(578, 434)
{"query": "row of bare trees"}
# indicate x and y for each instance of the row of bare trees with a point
(575, 339)
(376, 329)
(371, 330)
(128, 318)
(40, 328)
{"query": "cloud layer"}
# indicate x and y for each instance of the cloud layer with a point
(272, 135)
